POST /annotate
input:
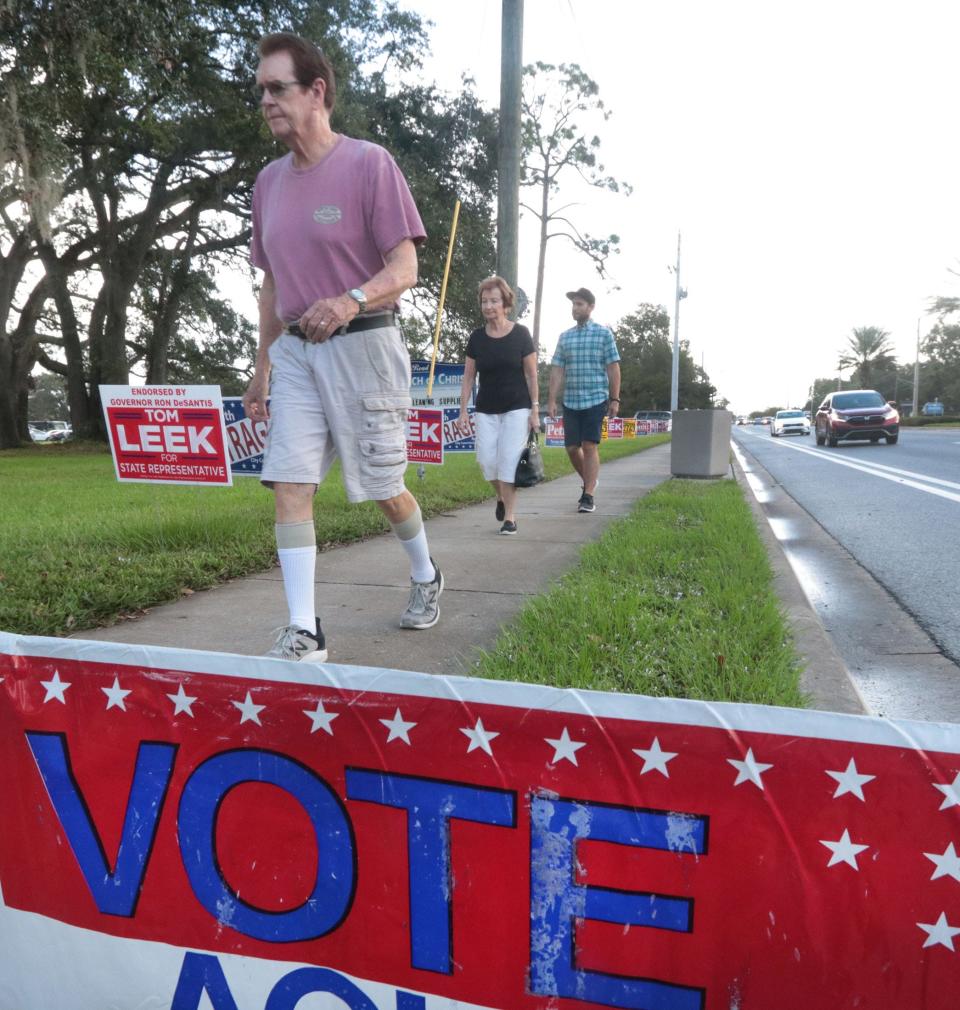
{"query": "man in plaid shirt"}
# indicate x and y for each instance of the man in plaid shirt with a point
(587, 363)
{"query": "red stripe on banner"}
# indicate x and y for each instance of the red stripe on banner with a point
(555, 853)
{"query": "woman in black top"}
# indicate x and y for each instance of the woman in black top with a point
(501, 353)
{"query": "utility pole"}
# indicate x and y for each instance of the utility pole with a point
(916, 376)
(508, 183)
(675, 371)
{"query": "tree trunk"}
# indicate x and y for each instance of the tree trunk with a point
(9, 435)
(78, 401)
(168, 308)
(12, 267)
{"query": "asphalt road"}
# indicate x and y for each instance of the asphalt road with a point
(896, 510)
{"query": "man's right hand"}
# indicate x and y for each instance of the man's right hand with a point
(255, 398)
(551, 408)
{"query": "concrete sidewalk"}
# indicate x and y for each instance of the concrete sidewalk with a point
(362, 588)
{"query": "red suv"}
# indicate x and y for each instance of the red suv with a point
(856, 414)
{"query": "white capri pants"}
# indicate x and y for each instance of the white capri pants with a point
(500, 441)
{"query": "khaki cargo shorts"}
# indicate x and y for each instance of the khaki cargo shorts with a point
(345, 399)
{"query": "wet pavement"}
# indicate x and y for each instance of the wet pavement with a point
(898, 669)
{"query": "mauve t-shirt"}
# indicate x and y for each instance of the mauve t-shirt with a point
(323, 230)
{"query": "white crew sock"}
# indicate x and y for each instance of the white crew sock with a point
(413, 539)
(298, 565)
(297, 551)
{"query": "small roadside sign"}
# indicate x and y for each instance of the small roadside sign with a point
(425, 436)
(167, 434)
(455, 438)
(245, 439)
(553, 432)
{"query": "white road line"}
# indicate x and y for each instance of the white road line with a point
(892, 475)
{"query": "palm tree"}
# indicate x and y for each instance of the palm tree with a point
(869, 353)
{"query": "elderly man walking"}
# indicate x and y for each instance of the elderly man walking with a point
(587, 364)
(335, 231)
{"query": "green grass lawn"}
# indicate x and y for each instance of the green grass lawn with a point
(676, 600)
(79, 549)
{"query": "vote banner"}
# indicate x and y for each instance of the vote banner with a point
(167, 434)
(629, 427)
(447, 384)
(245, 439)
(425, 436)
(194, 830)
(455, 438)
(614, 427)
(553, 432)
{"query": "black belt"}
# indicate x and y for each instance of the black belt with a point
(373, 322)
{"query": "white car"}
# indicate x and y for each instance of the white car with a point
(789, 422)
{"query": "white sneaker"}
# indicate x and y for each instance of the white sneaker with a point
(299, 645)
(423, 608)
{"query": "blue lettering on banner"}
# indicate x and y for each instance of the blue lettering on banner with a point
(430, 805)
(202, 973)
(288, 992)
(332, 896)
(115, 891)
(199, 974)
(557, 901)
(408, 1001)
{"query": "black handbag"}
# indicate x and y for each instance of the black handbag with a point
(530, 467)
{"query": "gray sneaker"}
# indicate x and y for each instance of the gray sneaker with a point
(423, 609)
(299, 645)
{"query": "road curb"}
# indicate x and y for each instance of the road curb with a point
(825, 677)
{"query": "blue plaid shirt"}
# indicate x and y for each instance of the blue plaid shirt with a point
(583, 352)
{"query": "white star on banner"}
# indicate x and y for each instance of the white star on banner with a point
(248, 711)
(399, 729)
(951, 793)
(939, 932)
(947, 865)
(320, 718)
(55, 688)
(655, 759)
(749, 769)
(115, 695)
(564, 748)
(182, 702)
(479, 737)
(844, 850)
(851, 781)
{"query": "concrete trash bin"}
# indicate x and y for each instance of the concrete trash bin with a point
(700, 443)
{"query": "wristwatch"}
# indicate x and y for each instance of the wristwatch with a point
(359, 297)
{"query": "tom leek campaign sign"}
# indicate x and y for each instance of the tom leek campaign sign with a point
(167, 434)
(191, 830)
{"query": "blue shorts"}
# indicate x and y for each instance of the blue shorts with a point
(583, 425)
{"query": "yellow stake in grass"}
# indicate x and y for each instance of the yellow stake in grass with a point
(443, 295)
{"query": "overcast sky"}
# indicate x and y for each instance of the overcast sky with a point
(809, 154)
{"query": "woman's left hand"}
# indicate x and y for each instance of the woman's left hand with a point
(534, 420)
